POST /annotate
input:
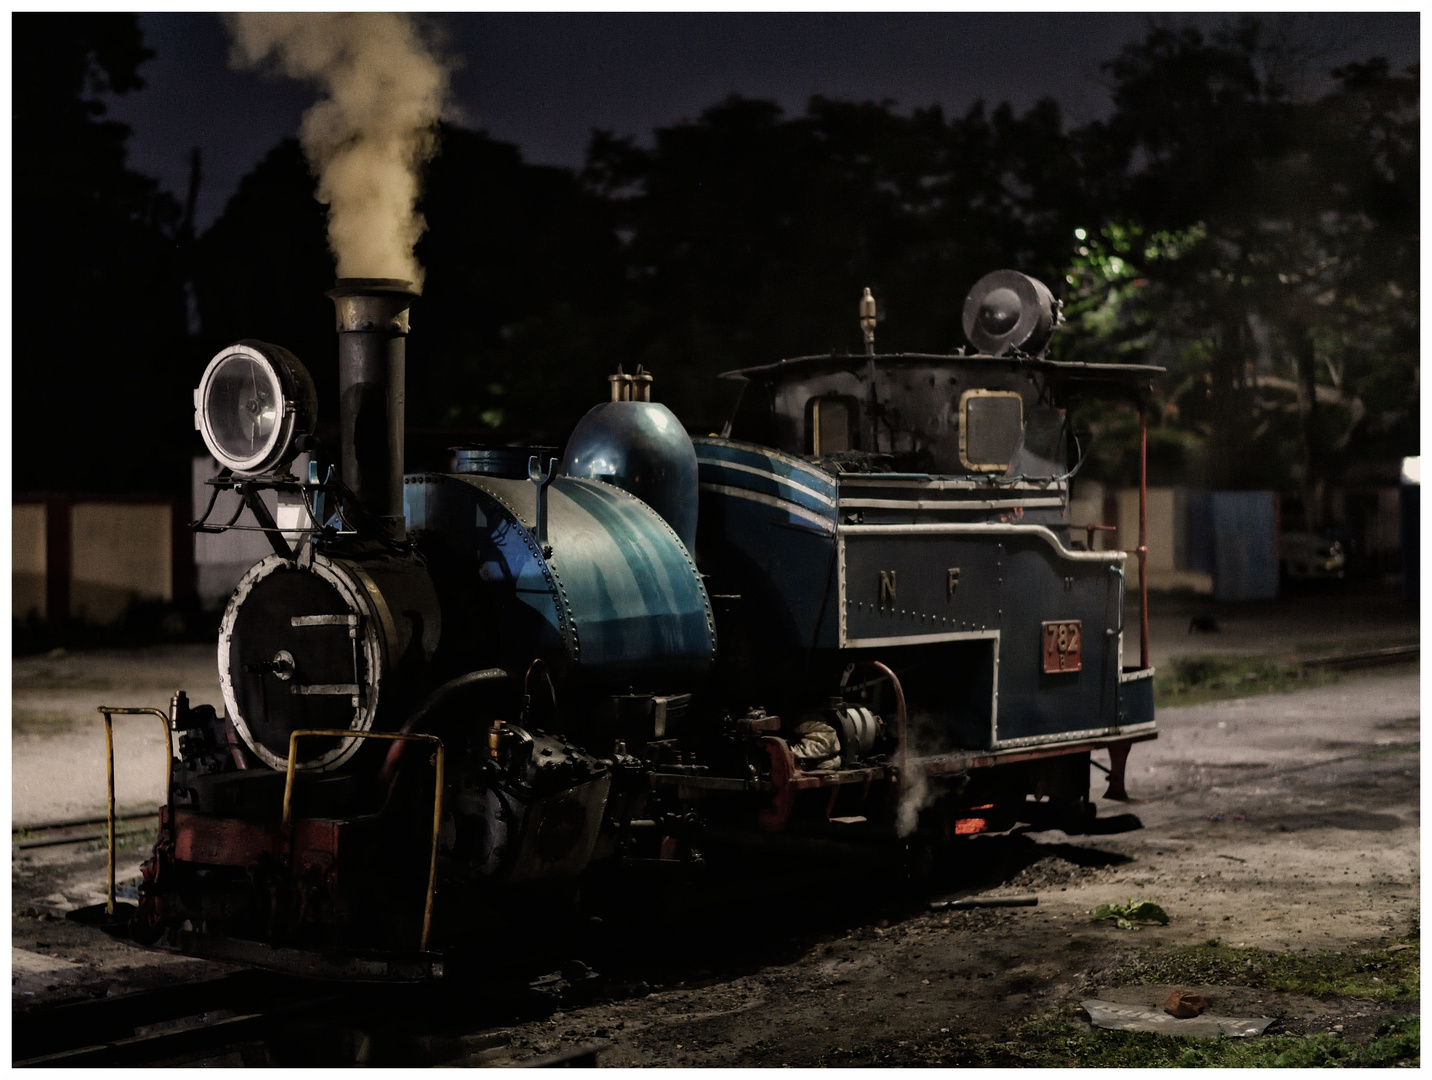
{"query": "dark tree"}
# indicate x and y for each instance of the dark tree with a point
(1264, 247)
(512, 337)
(519, 324)
(99, 306)
(261, 271)
(751, 235)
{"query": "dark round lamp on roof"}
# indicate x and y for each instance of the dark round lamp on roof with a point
(1007, 310)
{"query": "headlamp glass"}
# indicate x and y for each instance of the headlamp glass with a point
(242, 407)
(254, 406)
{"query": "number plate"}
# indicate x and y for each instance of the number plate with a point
(1063, 646)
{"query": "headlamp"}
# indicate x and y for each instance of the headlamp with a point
(1007, 310)
(255, 407)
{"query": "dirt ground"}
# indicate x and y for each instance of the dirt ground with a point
(1281, 822)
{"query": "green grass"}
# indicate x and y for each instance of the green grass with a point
(1059, 1042)
(1392, 973)
(1064, 1038)
(1062, 1041)
(134, 838)
(1197, 679)
(140, 838)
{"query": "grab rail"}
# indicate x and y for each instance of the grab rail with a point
(110, 711)
(437, 799)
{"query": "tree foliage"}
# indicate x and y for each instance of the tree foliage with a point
(98, 278)
(1261, 244)
(1265, 248)
(751, 235)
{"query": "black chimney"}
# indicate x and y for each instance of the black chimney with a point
(372, 326)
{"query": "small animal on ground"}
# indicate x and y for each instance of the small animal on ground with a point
(1203, 624)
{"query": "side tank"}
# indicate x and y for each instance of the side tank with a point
(609, 596)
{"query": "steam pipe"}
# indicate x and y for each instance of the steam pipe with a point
(1143, 538)
(372, 330)
(902, 753)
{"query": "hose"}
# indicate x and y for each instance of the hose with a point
(901, 717)
(430, 703)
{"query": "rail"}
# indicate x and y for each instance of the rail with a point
(437, 800)
(109, 712)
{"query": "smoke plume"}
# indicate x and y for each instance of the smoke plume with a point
(369, 137)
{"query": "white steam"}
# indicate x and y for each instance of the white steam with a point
(369, 137)
(915, 795)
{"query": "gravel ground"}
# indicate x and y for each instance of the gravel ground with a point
(57, 753)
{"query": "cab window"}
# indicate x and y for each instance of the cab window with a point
(831, 423)
(991, 429)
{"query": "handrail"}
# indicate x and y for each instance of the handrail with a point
(1091, 529)
(114, 710)
(437, 798)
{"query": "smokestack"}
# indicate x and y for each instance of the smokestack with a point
(372, 328)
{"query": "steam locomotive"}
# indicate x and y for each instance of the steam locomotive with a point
(861, 617)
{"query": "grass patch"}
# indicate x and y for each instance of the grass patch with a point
(1064, 1038)
(1392, 973)
(1063, 1042)
(142, 837)
(1192, 680)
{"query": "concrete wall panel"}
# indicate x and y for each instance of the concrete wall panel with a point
(27, 560)
(122, 552)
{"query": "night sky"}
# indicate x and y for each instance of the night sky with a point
(544, 81)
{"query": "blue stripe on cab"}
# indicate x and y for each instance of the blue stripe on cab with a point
(769, 472)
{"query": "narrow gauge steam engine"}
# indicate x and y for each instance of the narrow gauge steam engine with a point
(452, 698)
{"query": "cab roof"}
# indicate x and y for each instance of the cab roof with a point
(1113, 380)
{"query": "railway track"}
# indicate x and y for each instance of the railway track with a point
(186, 1020)
(1396, 654)
(80, 830)
(255, 1018)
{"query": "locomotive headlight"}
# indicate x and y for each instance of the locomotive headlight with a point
(255, 407)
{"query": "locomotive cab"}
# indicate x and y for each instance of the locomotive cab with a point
(913, 509)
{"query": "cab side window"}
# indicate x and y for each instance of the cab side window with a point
(831, 422)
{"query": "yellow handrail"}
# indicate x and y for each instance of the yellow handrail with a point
(109, 711)
(437, 799)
